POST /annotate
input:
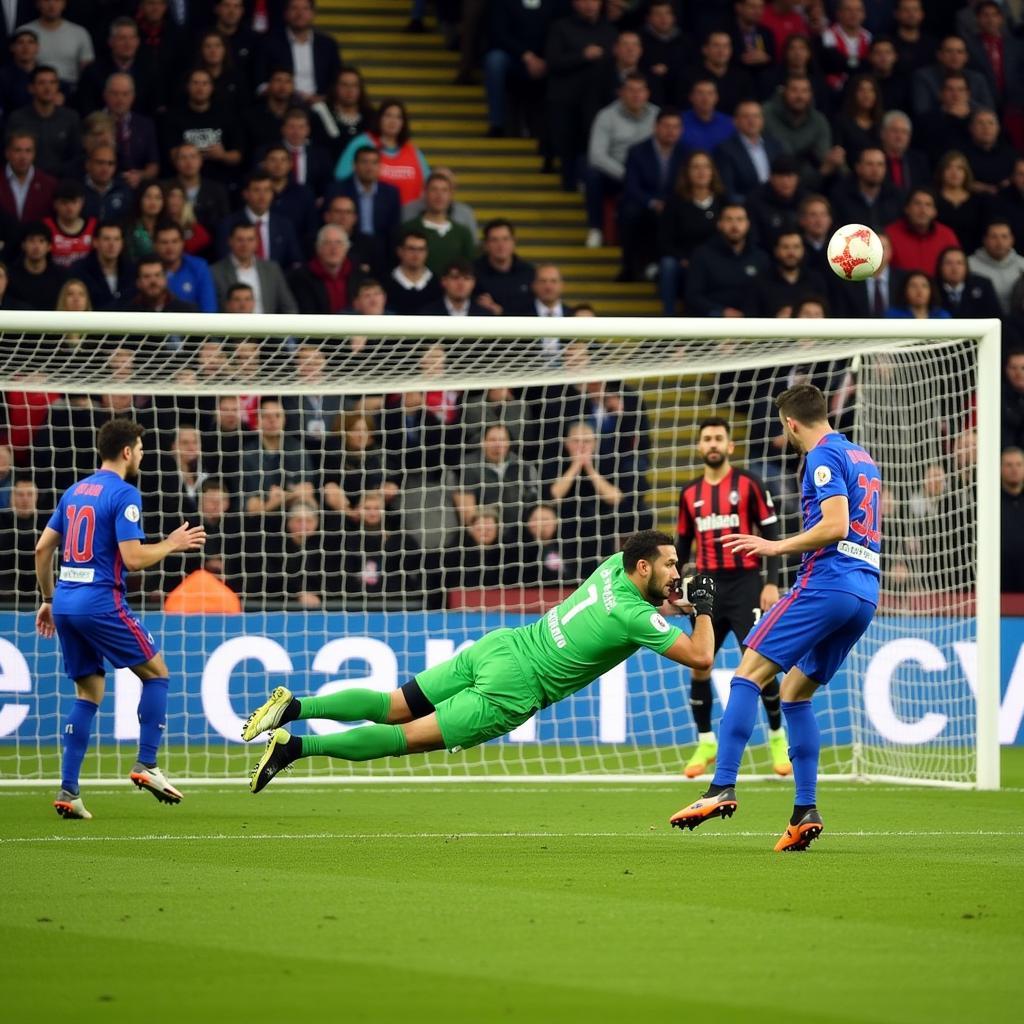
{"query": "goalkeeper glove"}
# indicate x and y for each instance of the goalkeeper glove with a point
(701, 593)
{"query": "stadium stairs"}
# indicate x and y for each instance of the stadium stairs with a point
(503, 178)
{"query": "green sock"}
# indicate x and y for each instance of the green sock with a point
(362, 744)
(348, 706)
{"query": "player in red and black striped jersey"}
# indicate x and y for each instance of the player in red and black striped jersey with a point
(724, 500)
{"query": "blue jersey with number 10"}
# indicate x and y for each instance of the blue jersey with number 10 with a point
(93, 517)
(837, 466)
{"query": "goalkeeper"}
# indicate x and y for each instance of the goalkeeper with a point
(509, 674)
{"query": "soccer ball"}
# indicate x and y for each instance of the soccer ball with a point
(854, 252)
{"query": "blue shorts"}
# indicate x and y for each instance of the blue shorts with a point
(118, 636)
(813, 630)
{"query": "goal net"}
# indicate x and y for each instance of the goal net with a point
(380, 492)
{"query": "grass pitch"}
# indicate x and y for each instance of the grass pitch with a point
(528, 901)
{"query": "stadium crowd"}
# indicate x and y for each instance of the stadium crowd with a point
(184, 156)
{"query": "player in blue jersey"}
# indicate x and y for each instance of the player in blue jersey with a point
(97, 527)
(809, 633)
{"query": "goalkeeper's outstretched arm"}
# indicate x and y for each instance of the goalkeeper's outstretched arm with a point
(697, 651)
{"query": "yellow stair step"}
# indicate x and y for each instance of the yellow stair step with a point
(347, 22)
(525, 197)
(620, 307)
(575, 253)
(451, 126)
(398, 77)
(463, 162)
(568, 229)
(587, 272)
(375, 58)
(327, 6)
(612, 289)
(453, 107)
(500, 182)
(355, 38)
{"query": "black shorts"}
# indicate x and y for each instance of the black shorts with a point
(737, 605)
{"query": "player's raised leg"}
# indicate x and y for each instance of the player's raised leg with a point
(152, 712)
(75, 743)
(737, 725)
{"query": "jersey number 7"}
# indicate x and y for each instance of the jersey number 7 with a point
(80, 532)
(869, 526)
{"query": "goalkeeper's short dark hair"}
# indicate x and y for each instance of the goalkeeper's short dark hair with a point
(805, 403)
(115, 435)
(645, 545)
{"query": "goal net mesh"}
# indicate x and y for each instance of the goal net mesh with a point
(374, 503)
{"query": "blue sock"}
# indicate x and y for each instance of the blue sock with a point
(735, 728)
(152, 715)
(804, 748)
(75, 742)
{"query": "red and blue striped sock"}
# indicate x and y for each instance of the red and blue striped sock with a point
(735, 729)
(152, 717)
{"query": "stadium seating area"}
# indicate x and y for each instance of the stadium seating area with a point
(170, 155)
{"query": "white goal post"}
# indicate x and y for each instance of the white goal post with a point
(918, 701)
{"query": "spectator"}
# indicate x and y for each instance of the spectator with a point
(652, 168)
(458, 212)
(803, 132)
(264, 120)
(503, 279)
(346, 113)
(271, 293)
(275, 470)
(379, 203)
(784, 19)
(15, 75)
(310, 165)
(782, 288)
(753, 43)
(578, 57)
(906, 168)
(323, 284)
(138, 158)
(999, 261)
(495, 405)
(240, 298)
(457, 284)
(275, 237)
(733, 81)
(773, 207)
(21, 522)
(294, 202)
(208, 197)
(537, 559)
(6, 474)
(918, 300)
(246, 46)
(311, 559)
(999, 55)
(865, 197)
(1008, 205)
(378, 561)
(858, 126)
(514, 63)
(815, 219)
(915, 47)
(446, 240)
(224, 445)
(1011, 471)
(35, 280)
(73, 297)
(141, 228)
(71, 233)
(26, 191)
(799, 59)
(918, 237)
(402, 163)
(844, 44)
(231, 89)
(493, 476)
(107, 272)
(1013, 400)
(616, 128)
(63, 45)
(188, 277)
(704, 126)
(665, 49)
(990, 156)
(352, 466)
(315, 410)
(179, 477)
(744, 159)
(584, 497)
(965, 294)
(152, 294)
(724, 269)
(163, 42)
(893, 84)
(311, 56)
(548, 290)
(412, 284)
(626, 55)
(948, 126)
(123, 56)
(958, 205)
(688, 221)
(179, 210)
(106, 197)
(57, 129)
(222, 553)
(212, 129)
(950, 59)
(475, 558)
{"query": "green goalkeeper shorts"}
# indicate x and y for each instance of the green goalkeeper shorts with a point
(483, 692)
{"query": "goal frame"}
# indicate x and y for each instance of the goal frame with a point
(868, 335)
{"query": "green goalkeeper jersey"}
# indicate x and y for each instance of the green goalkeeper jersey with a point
(595, 628)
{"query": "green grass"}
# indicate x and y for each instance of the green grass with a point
(533, 901)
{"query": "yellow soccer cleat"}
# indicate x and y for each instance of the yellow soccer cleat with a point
(267, 716)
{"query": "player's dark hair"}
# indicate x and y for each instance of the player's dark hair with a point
(115, 435)
(643, 545)
(714, 421)
(804, 403)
